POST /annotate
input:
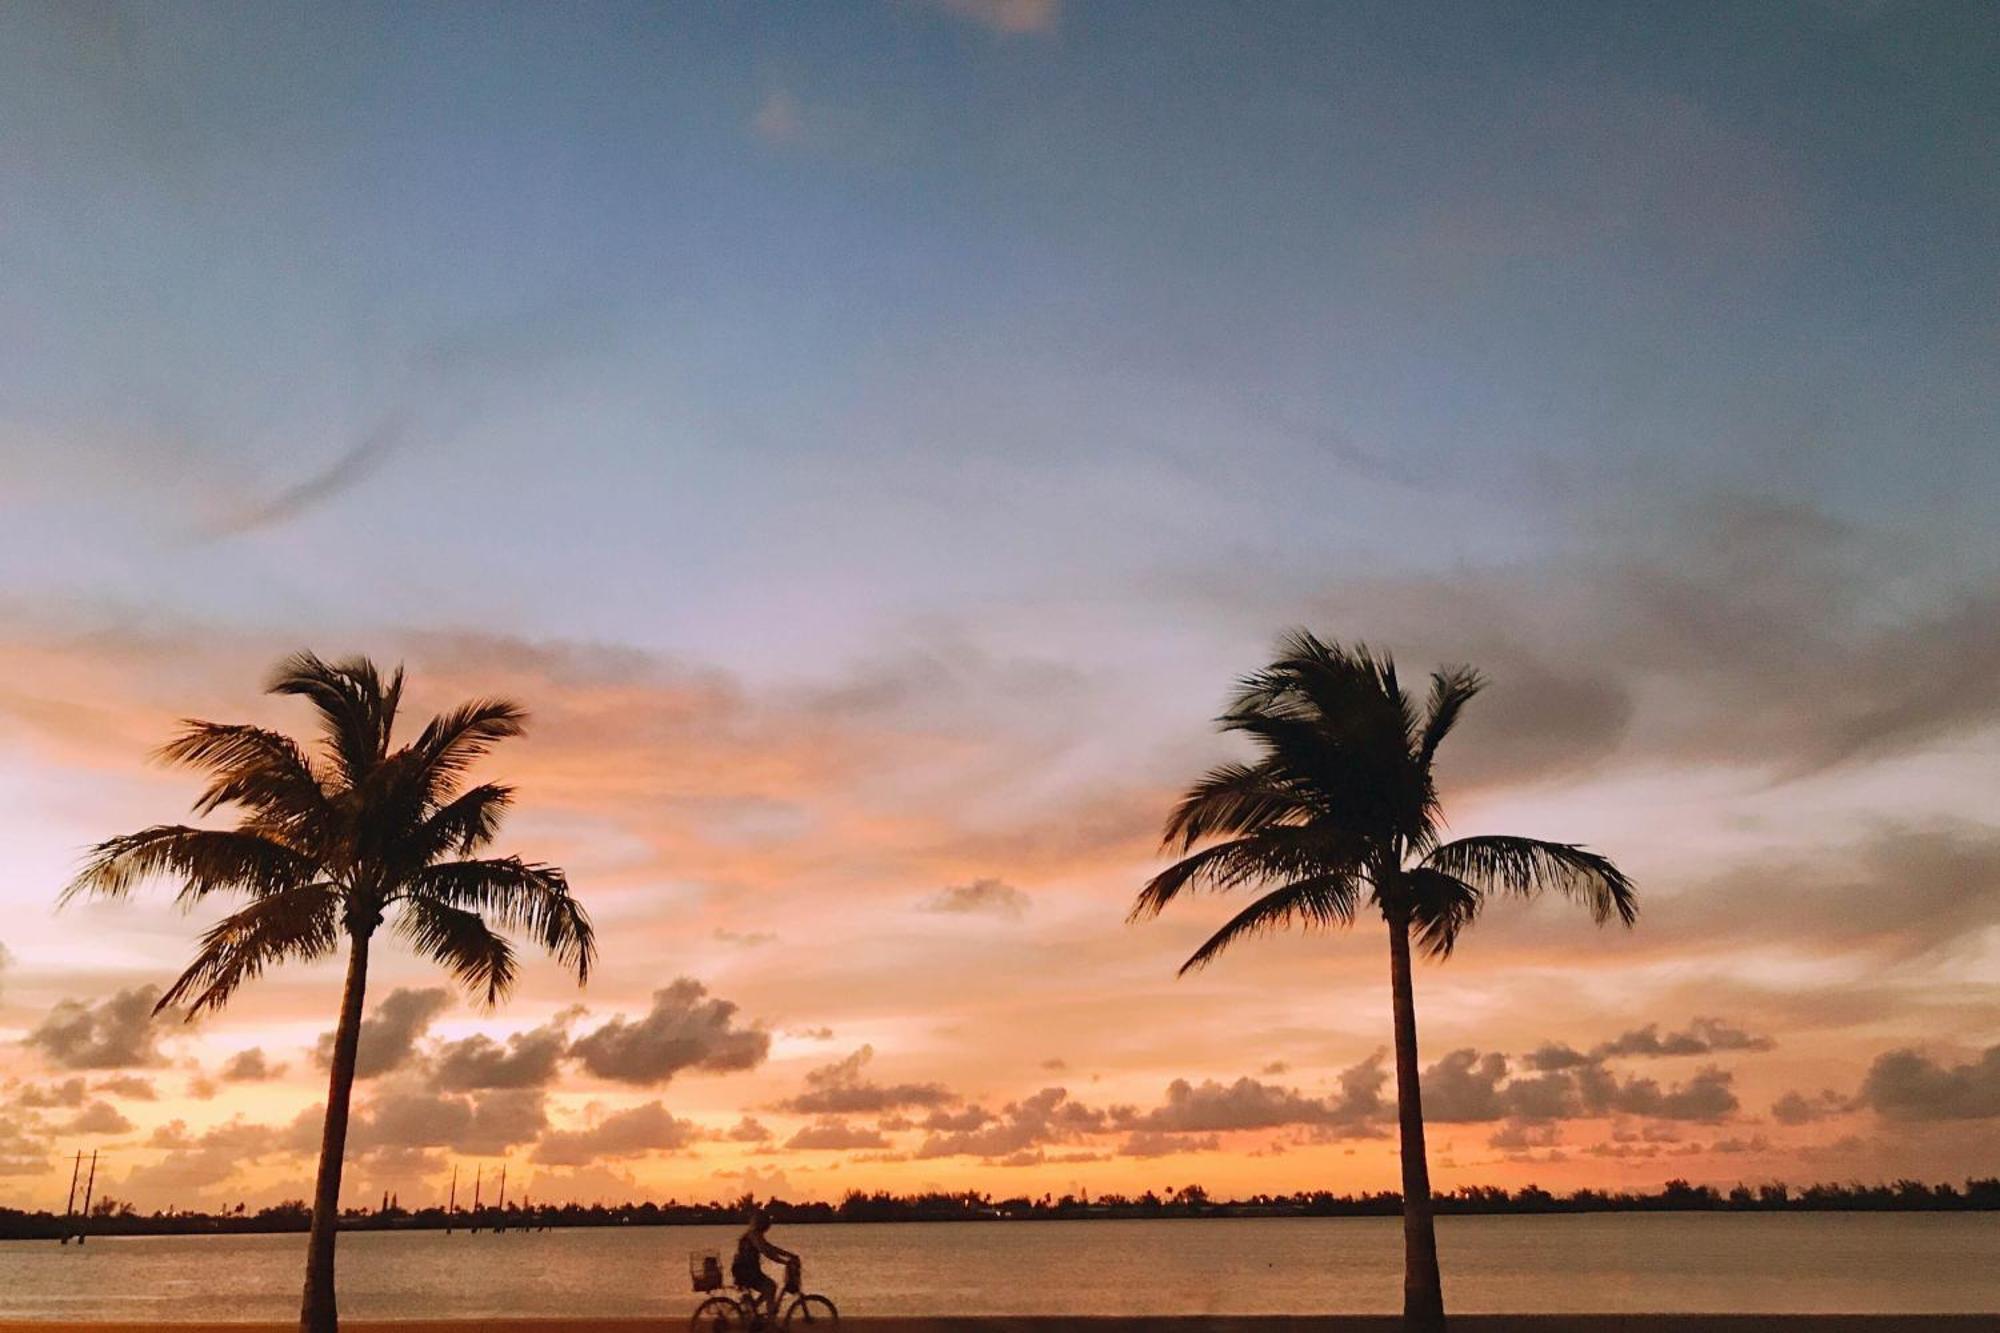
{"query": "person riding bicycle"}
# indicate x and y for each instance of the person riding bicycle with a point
(747, 1268)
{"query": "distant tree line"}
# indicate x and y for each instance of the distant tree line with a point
(114, 1217)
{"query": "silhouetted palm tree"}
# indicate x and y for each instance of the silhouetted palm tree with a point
(336, 846)
(1339, 811)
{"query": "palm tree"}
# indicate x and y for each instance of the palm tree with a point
(1339, 811)
(337, 845)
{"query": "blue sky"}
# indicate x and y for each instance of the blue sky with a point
(964, 391)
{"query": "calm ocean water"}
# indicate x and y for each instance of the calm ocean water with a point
(1855, 1263)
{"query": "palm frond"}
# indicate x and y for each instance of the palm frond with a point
(206, 861)
(515, 895)
(1233, 798)
(1451, 689)
(1440, 906)
(465, 945)
(1277, 852)
(1525, 867)
(262, 770)
(464, 824)
(298, 924)
(357, 707)
(454, 741)
(1319, 902)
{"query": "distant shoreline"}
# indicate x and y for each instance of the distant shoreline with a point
(46, 1228)
(1470, 1323)
(1979, 1195)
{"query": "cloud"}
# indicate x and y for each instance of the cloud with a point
(1945, 883)
(1048, 1117)
(840, 1089)
(684, 1030)
(390, 1034)
(118, 1033)
(1907, 1085)
(249, 1066)
(1012, 17)
(194, 1163)
(1795, 1108)
(1701, 1037)
(1150, 1143)
(349, 469)
(744, 939)
(130, 1086)
(40, 1096)
(630, 1133)
(98, 1118)
(485, 1124)
(984, 897)
(528, 1060)
(1466, 1087)
(1192, 1108)
(748, 1130)
(835, 1133)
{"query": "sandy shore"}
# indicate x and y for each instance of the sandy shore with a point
(1476, 1323)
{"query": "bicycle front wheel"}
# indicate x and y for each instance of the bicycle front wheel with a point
(812, 1312)
(719, 1314)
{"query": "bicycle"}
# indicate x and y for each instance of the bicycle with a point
(740, 1311)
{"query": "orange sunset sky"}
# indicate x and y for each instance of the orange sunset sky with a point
(872, 487)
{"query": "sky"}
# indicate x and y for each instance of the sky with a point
(871, 438)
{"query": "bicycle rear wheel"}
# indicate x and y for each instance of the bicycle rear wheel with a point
(812, 1312)
(719, 1314)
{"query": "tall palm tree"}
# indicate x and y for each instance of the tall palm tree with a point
(1339, 811)
(334, 846)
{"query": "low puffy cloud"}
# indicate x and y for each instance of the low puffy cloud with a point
(1466, 1087)
(1209, 1106)
(390, 1034)
(130, 1086)
(685, 1030)
(1048, 1117)
(118, 1033)
(1151, 1143)
(527, 1060)
(194, 1163)
(841, 1089)
(1702, 1036)
(1908, 1085)
(23, 1149)
(832, 1133)
(482, 1125)
(48, 1096)
(634, 1132)
(249, 1066)
(982, 897)
(1795, 1108)
(98, 1118)
(748, 1130)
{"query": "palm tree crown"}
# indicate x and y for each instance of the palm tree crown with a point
(1340, 810)
(341, 842)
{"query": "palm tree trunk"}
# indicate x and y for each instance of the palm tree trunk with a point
(318, 1312)
(1423, 1290)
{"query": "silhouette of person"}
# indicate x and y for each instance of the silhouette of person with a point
(752, 1248)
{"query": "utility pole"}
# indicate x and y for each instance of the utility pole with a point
(89, 1185)
(69, 1209)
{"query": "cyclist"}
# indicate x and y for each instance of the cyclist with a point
(747, 1268)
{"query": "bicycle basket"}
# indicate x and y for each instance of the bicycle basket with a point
(705, 1270)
